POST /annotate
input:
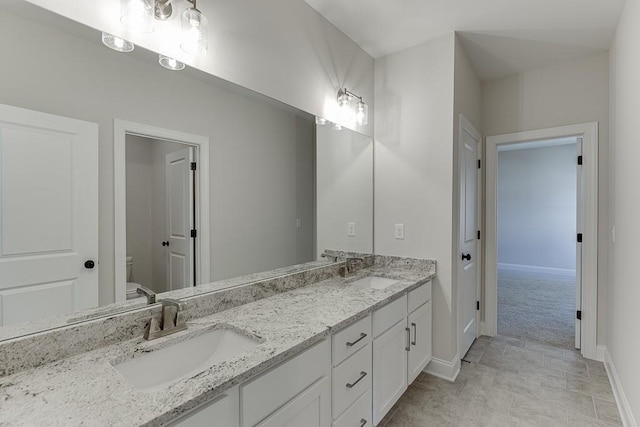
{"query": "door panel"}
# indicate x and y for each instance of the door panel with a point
(467, 281)
(48, 214)
(420, 329)
(179, 188)
(389, 369)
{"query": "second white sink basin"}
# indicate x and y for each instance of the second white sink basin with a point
(374, 282)
(183, 359)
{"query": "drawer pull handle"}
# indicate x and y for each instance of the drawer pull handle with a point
(362, 375)
(362, 422)
(408, 347)
(415, 334)
(362, 336)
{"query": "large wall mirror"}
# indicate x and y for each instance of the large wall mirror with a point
(109, 163)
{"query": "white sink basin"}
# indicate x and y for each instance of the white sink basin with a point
(374, 282)
(184, 358)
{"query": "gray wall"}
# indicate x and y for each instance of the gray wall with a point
(537, 207)
(252, 158)
(623, 348)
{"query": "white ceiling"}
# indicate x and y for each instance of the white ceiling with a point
(501, 37)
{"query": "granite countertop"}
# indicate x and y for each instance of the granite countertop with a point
(87, 390)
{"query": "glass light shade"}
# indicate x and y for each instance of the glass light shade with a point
(336, 126)
(116, 43)
(137, 14)
(321, 121)
(362, 114)
(343, 98)
(194, 31)
(170, 63)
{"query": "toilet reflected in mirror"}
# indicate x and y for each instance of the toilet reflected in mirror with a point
(160, 197)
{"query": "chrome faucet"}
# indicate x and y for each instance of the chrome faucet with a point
(352, 265)
(172, 319)
(151, 296)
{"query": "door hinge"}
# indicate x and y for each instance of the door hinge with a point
(579, 237)
(478, 234)
(478, 305)
(193, 166)
(479, 163)
(579, 160)
(194, 233)
(579, 314)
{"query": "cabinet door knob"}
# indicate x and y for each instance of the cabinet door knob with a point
(415, 334)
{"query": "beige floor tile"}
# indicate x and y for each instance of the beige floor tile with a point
(577, 420)
(546, 349)
(537, 412)
(607, 411)
(575, 367)
(590, 386)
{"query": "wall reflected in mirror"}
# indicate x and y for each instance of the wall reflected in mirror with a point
(279, 194)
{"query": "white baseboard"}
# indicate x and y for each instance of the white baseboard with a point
(600, 352)
(618, 393)
(447, 370)
(483, 329)
(537, 269)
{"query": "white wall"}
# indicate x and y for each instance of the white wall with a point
(624, 292)
(344, 188)
(537, 207)
(414, 167)
(140, 183)
(567, 93)
(253, 153)
(280, 48)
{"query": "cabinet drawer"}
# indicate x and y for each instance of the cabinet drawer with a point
(350, 380)
(387, 316)
(359, 414)
(419, 296)
(351, 339)
(267, 393)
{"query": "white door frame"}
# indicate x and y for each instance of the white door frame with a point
(120, 129)
(464, 125)
(589, 132)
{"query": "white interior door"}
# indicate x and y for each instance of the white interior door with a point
(179, 196)
(48, 215)
(579, 229)
(468, 271)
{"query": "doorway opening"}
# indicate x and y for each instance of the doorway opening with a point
(538, 211)
(585, 229)
(161, 193)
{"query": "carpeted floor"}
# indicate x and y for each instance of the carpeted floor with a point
(538, 307)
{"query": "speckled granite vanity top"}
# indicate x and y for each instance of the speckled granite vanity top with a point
(87, 390)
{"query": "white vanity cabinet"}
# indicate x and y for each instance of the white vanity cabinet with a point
(351, 376)
(401, 347)
(220, 412)
(295, 393)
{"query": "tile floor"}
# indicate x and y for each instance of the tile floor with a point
(511, 382)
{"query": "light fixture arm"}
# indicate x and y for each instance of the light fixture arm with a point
(348, 93)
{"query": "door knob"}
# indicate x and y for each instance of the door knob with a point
(466, 256)
(89, 264)
(166, 243)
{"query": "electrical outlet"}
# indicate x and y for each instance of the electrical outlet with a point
(351, 229)
(398, 231)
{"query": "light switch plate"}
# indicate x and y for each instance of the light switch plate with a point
(398, 231)
(351, 229)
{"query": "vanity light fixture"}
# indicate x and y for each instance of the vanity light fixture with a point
(362, 109)
(170, 63)
(116, 43)
(137, 14)
(321, 121)
(194, 30)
